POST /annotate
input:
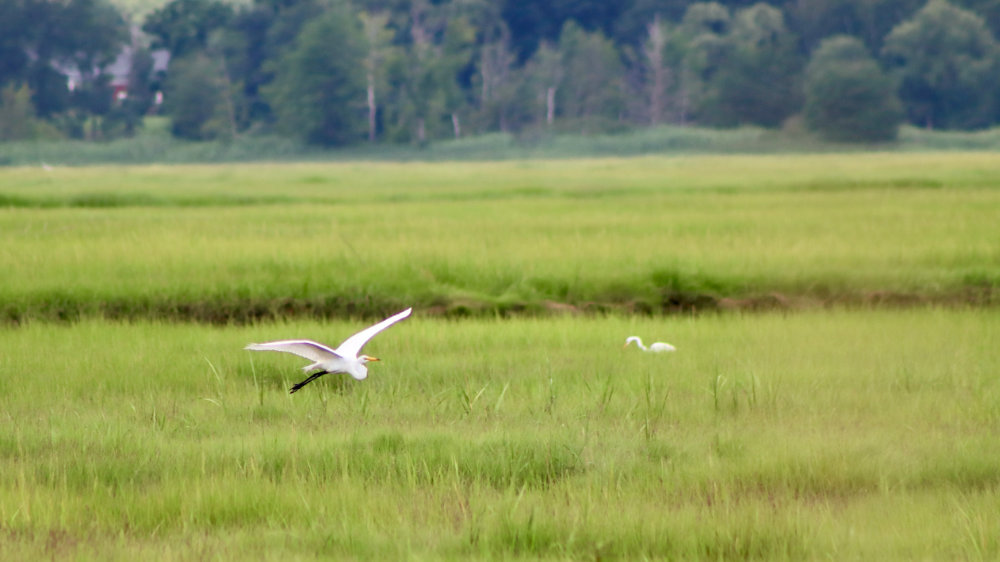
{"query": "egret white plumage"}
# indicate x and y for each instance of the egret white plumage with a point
(344, 359)
(656, 347)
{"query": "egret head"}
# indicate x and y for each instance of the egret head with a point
(368, 359)
(631, 339)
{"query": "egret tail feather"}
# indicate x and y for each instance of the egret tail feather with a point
(307, 381)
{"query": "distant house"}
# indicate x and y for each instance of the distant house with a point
(122, 66)
(119, 71)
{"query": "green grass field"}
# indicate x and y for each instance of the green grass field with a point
(834, 434)
(226, 243)
(835, 393)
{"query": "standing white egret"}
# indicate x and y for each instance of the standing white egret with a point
(344, 359)
(656, 347)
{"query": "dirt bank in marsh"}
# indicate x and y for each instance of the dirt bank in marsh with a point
(248, 310)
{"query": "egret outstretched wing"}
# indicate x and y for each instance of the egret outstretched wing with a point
(309, 349)
(344, 359)
(352, 345)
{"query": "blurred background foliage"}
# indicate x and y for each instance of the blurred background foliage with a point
(412, 72)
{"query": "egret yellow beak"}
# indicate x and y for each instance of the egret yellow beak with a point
(373, 359)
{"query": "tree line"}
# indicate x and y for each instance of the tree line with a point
(341, 72)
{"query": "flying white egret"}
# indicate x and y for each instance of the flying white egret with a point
(657, 347)
(344, 359)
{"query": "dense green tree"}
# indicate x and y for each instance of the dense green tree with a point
(706, 17)
(544, 75)
(50, 89)
(319, 89)
(40, 40)
(632, 26)
(17, 114)
(184, 26)
(703, 30)
(199, 34)
(420, 82)
(868, 20)
(244, 47)
(142, 83)
(92, 102)
(989, 10)
(80, 36)
(534, 21)
(847, 96)
(427, 97)
(454, 60)
(592, 95)
(502, 92)
(14, 38)
(86, 33)
(946, 60)
(744, 70)
(252, 46)
(195, 98)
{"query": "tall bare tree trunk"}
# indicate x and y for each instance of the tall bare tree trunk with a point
(227, 84)
(371, 107)
(658, 73)
(422, 42)
(550, 105)
(378, 38)
(495, 64)
(455, 125)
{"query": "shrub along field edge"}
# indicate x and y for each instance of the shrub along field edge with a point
(152, 147)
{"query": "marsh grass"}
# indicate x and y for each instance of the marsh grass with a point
(505, 420)
(844, 434)
(649, 235)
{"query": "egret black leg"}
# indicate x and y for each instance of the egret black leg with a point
(307, 381)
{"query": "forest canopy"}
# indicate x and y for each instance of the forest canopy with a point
(341, 72)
